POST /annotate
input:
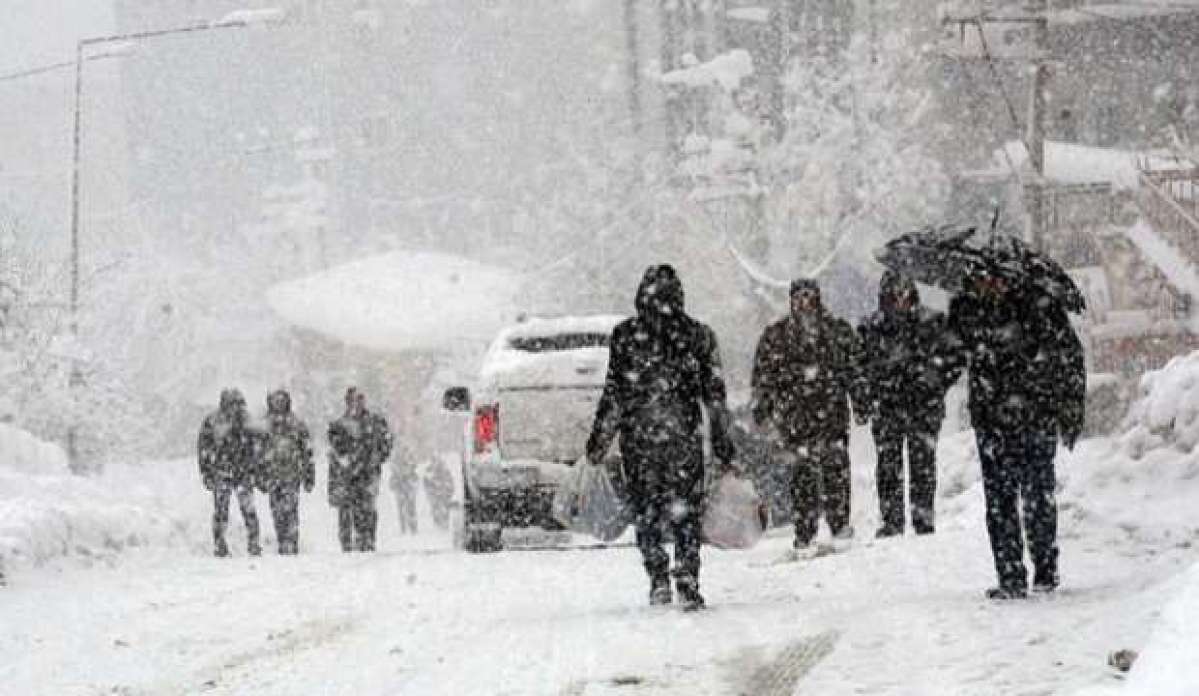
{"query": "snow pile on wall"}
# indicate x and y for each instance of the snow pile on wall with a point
(1166, 414)
(46, 513)
(21, 451)
(1168, 665)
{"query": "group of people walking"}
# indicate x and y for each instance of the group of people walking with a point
(276, 457)
(813, 370)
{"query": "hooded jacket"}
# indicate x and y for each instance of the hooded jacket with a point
(225, 447)
(663, 366)
(286, 448)
(805, 373)
(908, 362)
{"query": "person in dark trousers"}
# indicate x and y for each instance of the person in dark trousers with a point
(664, 366)
(287, 466)
(359, 443)
(806, 370)
(403, 485)
(439, 490)
(908, 365)
(1027, 381)
(227, 457)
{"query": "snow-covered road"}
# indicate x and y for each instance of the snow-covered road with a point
(897, 617)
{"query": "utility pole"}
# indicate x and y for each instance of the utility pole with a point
(1038, 10)
(1036, 14)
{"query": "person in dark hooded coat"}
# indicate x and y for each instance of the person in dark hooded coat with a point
(806, 370)
(226, 450)
(908, 365)
(359, 443)
(664, 367)
(287, 465)
(1027, 381)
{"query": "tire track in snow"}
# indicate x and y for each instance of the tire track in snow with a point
(780, 676)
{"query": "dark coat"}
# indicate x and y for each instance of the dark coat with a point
(226, 449)
(663, 367)
(1026, 363)
(908, 360)
(361, 443)
(287, 453)
(804, 376)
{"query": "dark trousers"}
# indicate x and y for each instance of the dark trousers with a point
(920, 434)
(666, 487)
(820, 484)
(222, 490)
(357, 518)
(1018, 475)
(682, 516)
(285, 511)
(406, 506)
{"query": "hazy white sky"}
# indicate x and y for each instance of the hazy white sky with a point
(35, 32)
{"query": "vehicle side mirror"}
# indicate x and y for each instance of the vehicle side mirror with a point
(456, 399)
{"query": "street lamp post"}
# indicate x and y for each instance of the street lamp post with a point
(234, 20)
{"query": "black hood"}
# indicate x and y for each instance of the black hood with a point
(894, 284)
(278, 402)
(660, 295)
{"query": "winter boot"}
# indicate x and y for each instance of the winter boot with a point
(1045, 582)
(1006, 593)
(688, 589)
(659, 591)
(887, 531)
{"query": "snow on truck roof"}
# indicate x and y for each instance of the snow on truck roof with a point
(547, 326)
(402, 301)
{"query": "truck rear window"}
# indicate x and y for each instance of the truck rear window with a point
(556, 342)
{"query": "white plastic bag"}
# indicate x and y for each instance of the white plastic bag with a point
(736, 516)
(588, 503)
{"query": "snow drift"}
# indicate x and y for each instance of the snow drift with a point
(46, 513)
(1166, 414)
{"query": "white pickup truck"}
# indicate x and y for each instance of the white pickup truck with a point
(530, 414)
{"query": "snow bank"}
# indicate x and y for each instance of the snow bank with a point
(1169, 664)
(46, 513)
(20, 451)
(1166, 414)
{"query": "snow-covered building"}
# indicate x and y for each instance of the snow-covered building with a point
(1121, 77)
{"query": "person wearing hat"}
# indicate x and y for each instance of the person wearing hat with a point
(226, 453)
(805, 372)
(359, 442)
(908, 366)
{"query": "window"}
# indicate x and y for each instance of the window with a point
(557, 342)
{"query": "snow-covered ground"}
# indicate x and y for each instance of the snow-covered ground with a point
(901, 616)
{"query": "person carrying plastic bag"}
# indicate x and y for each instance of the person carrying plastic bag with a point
(736, 516)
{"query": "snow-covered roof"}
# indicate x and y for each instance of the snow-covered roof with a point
(726, 69)
(1069, 163)
(550, 326)
(402, 301)
(1180, 272)
(757, 15)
